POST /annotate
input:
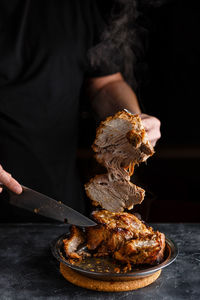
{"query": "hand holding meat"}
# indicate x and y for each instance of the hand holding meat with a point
(152, 127)
(7, 180)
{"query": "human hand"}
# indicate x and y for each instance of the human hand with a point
(9, 182)
(152, 127)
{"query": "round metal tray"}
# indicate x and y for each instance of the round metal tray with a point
(103, 268)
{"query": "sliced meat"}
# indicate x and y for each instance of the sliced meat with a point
(121, 142)
(114, 195)
(122, 137)
(75, 239)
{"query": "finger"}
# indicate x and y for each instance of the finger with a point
(151, 122)
(1, 189)
(153, 134)
(153, 142)
(7, 180)
(153, 137)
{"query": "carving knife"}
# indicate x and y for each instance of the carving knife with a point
(48, 207)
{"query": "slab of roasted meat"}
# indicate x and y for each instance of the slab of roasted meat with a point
(121, 236)
(121, 142)
(114, 195)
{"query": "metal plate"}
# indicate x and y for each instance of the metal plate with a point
(103, 268)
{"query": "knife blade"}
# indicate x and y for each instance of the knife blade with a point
(48, 207)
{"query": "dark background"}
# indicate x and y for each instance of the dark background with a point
(172, 94)
(169, 90)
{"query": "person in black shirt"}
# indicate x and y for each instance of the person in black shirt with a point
(43, 64)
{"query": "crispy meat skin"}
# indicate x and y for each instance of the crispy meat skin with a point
(71, 244)
(146, 250)
(122, 236)
(122, 221)
(121, 142)
(113, 231)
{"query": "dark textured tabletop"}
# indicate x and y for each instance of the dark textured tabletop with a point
(28, 270)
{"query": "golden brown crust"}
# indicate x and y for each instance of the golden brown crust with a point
(134, 138)
(95, 236)
(146, 250)
(122, 220)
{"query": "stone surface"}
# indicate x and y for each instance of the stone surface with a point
(28, 270)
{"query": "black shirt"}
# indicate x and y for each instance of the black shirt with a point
(43, 50)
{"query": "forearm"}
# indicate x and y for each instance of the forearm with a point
(113, 97)
(110, 94)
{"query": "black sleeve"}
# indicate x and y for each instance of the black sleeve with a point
(103, 58)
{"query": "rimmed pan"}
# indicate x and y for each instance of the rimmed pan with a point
(104, 268)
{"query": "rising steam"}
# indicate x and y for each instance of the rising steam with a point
(121, 44)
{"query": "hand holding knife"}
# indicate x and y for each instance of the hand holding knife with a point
(6, 180)
(48, 207)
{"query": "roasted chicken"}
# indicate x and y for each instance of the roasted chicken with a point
(119, 235)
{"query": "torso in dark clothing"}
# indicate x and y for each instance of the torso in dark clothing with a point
(43, 46)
